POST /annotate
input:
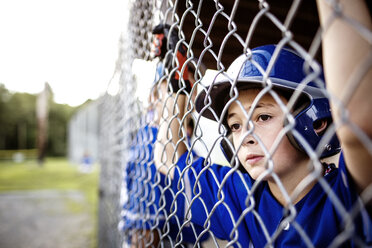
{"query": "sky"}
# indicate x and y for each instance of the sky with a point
(71, 44)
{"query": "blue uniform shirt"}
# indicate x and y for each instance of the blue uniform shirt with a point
(259, 218)
(139, 208)
(149, 196)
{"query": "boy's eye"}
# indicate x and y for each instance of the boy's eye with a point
(264, 117)
(235, 127)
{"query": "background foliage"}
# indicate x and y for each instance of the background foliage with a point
(19, 126)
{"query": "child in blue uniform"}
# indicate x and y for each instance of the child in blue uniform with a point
(287, 198)
(148, 201)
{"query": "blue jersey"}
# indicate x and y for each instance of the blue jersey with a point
(139, 210)
(234, 208)
(149, 194)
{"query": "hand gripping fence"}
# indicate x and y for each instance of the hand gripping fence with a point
(242, 151)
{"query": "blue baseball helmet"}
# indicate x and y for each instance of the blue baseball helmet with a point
(286, 75)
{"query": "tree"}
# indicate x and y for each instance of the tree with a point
(17, 118)
(18, 122)
(59, 115)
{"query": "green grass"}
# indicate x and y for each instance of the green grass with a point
(56, 174)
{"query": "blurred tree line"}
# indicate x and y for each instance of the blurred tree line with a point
(18, 124)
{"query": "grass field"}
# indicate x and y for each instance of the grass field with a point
(56, 174)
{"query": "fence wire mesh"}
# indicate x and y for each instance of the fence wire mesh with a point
(218, 139)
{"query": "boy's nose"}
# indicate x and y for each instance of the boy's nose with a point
(247, 132)
(248, 140)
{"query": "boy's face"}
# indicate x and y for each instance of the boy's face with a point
(156, 99)
(268, 121)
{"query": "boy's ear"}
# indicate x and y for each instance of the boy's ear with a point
(320, 126)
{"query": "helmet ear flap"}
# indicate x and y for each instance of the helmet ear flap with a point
(290, 136)
(228, 150)
(312, 128)
(292, 139)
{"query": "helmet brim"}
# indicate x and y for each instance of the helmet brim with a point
(211, 102)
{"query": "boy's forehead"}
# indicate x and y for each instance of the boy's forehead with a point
(246, 98)
(251, 93)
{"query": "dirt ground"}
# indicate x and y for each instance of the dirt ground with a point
(44, 219)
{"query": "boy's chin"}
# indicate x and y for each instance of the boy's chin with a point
(258, 172)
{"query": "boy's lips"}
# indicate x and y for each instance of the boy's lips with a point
(253, 158)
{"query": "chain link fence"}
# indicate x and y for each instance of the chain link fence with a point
(280, 179)
(83, 134)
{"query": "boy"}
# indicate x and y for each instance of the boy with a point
(288, 198)
(148, 200)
